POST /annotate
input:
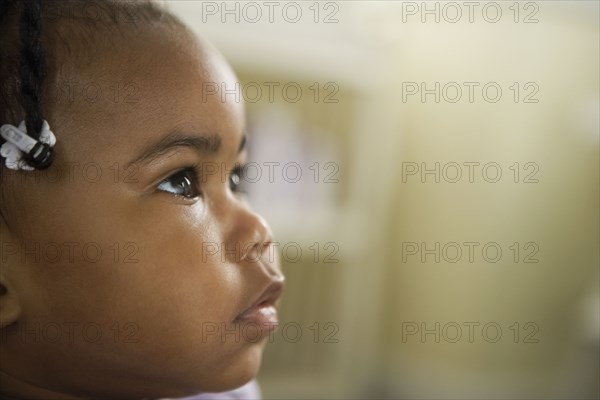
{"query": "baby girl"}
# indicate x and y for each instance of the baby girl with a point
(132, 266)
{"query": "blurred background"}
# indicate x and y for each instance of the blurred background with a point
(430, 170)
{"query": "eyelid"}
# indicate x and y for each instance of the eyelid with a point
(167, 175)
(193, 167)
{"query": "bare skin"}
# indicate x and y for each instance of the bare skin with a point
(152, 314)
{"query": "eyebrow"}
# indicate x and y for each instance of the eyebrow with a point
(201, 144)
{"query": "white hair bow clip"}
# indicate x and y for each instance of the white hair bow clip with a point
(24, 152)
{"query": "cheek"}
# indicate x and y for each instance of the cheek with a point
(156, 300)
(154, 268)
(175, 276)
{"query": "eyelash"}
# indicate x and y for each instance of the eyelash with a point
(191, 173)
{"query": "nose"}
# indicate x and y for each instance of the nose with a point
(251, 235)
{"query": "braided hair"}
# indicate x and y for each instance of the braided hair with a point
(31, 73)
(32, 69)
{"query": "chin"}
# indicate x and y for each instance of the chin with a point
(228, 374)
(242, 370)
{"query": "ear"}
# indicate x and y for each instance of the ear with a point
(10, 307)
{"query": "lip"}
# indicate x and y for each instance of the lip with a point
(263, 311)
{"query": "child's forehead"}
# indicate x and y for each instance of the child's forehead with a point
(137, 93)
(135, 57)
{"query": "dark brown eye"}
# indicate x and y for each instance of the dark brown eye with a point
(182, 183)
(235, 179)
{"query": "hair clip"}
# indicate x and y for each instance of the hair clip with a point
(24, 152)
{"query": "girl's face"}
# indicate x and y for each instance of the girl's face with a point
(128, 262)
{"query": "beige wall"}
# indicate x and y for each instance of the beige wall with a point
(372, 295)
